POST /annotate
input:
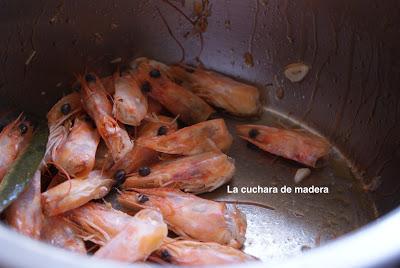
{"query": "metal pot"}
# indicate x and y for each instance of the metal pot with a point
(350, 96)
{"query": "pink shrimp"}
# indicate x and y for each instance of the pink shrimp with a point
(25, 213)
(190, 216)
(143, 234)
(296, 145)
(130, 105)
(77, 153)
(197, 174)
(59, 233)
(211, 135)
(75, 193)
(142, 156)
(97, 222)
(97, 105)
(13, 140)
(179, 101)
(220, 91)
(187, 253)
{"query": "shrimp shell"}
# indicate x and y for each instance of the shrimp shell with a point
(59, 233)
(12, 142)
(130, 105)
(96, 103)
(187, 252)
(190, 216)
(75, 193)
(143, 234)
(196, 174)
(296, 145)
(211, 135)
(176, 99)
(77, 154)
(220, 91)
(25, 213)
(98, 222)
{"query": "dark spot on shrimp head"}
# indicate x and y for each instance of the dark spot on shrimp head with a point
(65, 108)
(155, 73)
(90, 78)
(144, 171)
(253, 133)
(23, 128)
(145, 87)
(142, 198)
(165, 255)
(119, 177)
(162, 131)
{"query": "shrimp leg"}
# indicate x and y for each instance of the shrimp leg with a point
(197, 174)
(190, 216)
(296, 145)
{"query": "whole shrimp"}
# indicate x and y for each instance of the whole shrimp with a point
(179, 101)
(296, 145)
(13, 140)
(60, 233)
(190, 216)
(25, 213)
(188, 252)
(220, 91)
(75, 193)
(130, 105)
(142, 235)
(211, 135)
(140, 155)
(197, 174)
(76, 155)
(96, 103)
(98, 222)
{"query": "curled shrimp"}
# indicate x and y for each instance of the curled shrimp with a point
(77, 153)
(130, 105)
(187, 253)
(296, 145)
(218, 90)
(96, 103)
(60, 233)
(176, 99)
(13, 140)
(211, 135)
(190, 216)
(97, 222)
(25, 213)
(75, 193)
(140, 155)
(143, 234)
(196, 174)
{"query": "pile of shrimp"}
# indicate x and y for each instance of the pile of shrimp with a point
(121, 132)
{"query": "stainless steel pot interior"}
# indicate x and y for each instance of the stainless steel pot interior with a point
(350, 95)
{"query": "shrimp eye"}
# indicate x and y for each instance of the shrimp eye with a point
(253, 133)
(146, 87)
(90, 78)
(23, 128)
(144, 171)
(155, 73)
(65, 108)
(162, 131)
(142, 198)
(119, 176)
(189, 70)
(165, 255)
